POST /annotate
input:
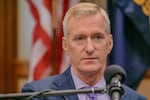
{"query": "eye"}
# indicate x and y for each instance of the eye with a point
(98, 37)
(79, 38)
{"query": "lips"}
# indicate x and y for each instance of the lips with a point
(90, 58)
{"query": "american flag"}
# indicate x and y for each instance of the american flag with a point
(42, 51)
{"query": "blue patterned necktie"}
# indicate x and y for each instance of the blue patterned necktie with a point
(92, 96)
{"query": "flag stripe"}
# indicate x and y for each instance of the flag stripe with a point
(48, 5)
(41, 57)
(60, 34)
(41, 54)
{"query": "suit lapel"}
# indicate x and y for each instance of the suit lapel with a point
(124, 98)
(126, 95)
(64, 82)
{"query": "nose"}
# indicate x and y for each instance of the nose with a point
(89, 46)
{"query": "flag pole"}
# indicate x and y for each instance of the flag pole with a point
(54, 29)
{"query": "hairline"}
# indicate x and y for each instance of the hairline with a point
(75, 12)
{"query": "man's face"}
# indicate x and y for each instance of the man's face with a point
(88, 44)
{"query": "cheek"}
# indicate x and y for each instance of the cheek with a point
(103, 54)
(75, 59)
(73, 51)
(109, 44)
(103, 51)
(76, 53)
(106, 48)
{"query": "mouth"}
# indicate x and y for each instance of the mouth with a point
(90, 58)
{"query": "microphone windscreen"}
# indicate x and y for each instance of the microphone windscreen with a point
(113, 70)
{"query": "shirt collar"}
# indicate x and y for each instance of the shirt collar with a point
(80, 84)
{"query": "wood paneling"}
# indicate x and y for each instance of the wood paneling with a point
(8, 45)
(2, 57)
(22, 72)
(148, 74)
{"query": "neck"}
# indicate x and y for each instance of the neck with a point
(90, 78)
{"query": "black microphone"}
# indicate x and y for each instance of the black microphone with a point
(115, 76)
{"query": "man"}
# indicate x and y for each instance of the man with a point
(88, 41)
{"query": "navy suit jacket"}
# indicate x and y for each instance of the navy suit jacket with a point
(64, 81)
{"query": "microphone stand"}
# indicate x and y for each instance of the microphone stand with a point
(49, 92)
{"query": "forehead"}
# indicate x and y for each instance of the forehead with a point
(87, 24)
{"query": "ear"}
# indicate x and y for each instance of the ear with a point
(110, 43)
(65, 45)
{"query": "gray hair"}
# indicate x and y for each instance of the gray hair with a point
(83, 9)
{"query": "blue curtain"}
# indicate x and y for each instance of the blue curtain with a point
(131, 34)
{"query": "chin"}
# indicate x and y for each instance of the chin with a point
(91, 68)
